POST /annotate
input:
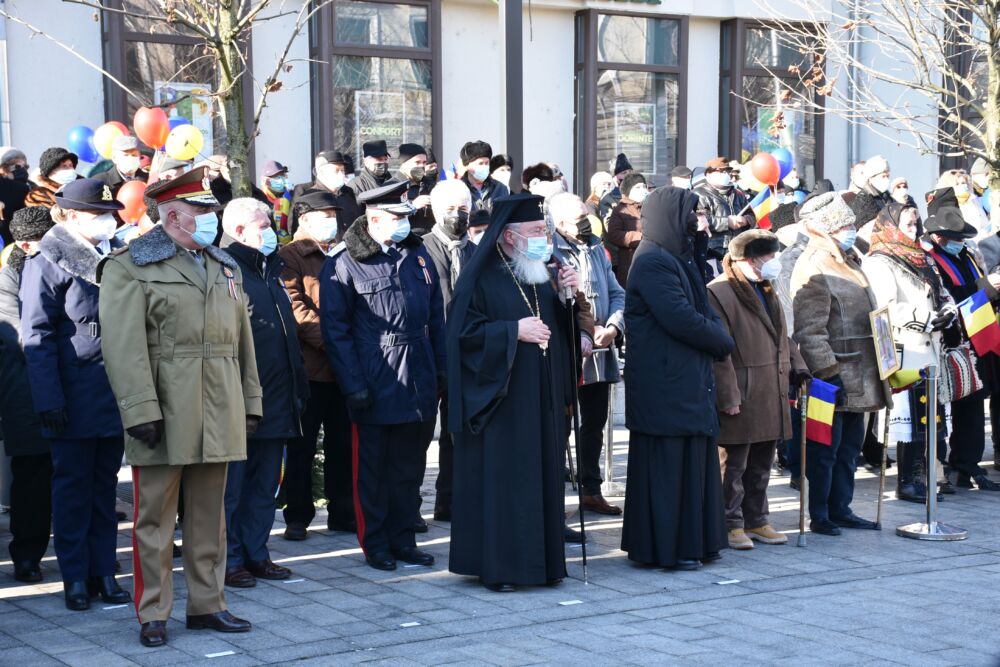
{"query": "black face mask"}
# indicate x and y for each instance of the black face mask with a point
(20, 173)
(417, 174)
(431, 174)
(584, 229)
(456, 223)
(380, 169)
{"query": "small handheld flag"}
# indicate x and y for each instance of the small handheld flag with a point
(762, 206)
(980, 323)
(819, 411)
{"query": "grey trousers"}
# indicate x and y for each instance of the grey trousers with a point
(746, 470)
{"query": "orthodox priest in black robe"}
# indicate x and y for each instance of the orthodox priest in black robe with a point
(509, 385)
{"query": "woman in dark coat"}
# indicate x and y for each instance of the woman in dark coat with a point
(71, 392)
(674, 514)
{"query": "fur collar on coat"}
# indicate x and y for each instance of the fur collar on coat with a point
(362, 246)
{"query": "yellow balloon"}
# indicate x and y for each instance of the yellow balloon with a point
(104, 138)
(184, 142)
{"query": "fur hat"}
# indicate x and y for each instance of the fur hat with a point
(753, 243)
(51, 157)
(630, 181)
(501, 160)
(540, 171)
(783, 216)
(473, 150)
(152, 212)
(828, 212)
(874, 166)
(619, 164)
(978, 167)
(865, 207)
(718, 164)
(31, 223)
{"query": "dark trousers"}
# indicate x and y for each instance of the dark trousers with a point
(593, 418)
(968, 435)
(326, 408)
(84, 479)
(446, 460)
(251, 486)
(830, 469)
(30, 506)
(746, 470)
(388, 466)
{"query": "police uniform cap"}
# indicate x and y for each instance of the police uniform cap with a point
(88, 194)
(191, 188)
(390, 198)
(316, 200)
(375, 148)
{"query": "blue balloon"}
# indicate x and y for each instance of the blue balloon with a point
(81, 142)
(986, 199)
(799, 196)
(785, 161)
(179, 120)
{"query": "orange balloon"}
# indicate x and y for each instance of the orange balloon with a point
(131, 196)
(151, 126)
(765, 168)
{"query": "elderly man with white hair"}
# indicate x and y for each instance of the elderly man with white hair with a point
(449, 247)
(575, 245)
(251, 484)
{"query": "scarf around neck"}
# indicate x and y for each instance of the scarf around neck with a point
(454, 247)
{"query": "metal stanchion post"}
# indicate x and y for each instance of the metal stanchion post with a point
(610, 488)
(932, 529)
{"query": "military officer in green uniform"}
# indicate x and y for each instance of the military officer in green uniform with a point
(180, 357)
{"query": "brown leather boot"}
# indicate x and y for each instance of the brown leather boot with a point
(597, 503)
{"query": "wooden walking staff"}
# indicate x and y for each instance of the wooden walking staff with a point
(803, 483)
(881, 474)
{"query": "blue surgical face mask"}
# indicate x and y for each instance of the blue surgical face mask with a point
(402, 230)
(480, 172)
(847, 240)
(954, 247)
(278, 185)
(268, 241)
(538, 249)
(206, 226)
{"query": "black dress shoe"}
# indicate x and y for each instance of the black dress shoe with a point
(220, 621)
(413, 556)
(381, 560)
(501, 588)
(27, 571)
(963, 481)
(852, 520)
(572, 536)
(296, 532)
(793, 482)
(77, 597)
(711, 557)
(442, 512)
(553, 582)
(420, 526)
(239, 577)
(268, 569)
(153, 634)
(340, 526)
(108, 589)
(686, 564)
(984, 483)
(824, 527)
(947, 488)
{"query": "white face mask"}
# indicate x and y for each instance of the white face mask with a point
(900, 195)
(771, 269)
(880, 183)
(719, 179)
(128, 164)
(322, 229)
(331, 177)
(99, 228)
(63, 176)
(638, 194)
(792, 182)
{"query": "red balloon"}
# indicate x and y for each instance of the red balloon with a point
(151, 126)
(765, 168)
(121, 126)
(131, 195)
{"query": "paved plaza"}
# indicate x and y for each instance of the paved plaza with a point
(863, 598)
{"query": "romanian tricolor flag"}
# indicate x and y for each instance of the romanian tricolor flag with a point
(980, 323)
(762, 206)
(819, 411)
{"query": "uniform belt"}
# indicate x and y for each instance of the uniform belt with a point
(92, 329)
(205, 351)
(404, 337)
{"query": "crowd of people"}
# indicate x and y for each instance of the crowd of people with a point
(209, 342)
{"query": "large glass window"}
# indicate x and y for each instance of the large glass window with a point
(760, 104)
(630, 80)
(374, 74)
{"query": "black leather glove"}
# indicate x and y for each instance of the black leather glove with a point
(149, 433)
(944, 318)
(359, 400)
(252, 424)
(55, 421)
(797, 376)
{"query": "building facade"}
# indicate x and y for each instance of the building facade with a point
(667, 82)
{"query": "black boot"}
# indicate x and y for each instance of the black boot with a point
(907, 473)
(996, 456)
(77, 597)
(108, 589)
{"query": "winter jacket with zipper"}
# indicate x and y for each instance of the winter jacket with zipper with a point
(491, 191)
(719, 205)
(61, 334)
(303, 261)
(280, 369)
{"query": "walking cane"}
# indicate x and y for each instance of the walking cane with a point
(881, 474)
(803, 483)
(573, 342)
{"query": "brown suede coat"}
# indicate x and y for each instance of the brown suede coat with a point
(624, 232)
(755, 376)
(304, 259)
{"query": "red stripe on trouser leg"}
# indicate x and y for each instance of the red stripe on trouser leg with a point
(137, 583)
(359, 515)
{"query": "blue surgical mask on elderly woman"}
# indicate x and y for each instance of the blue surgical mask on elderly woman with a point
(846, 239)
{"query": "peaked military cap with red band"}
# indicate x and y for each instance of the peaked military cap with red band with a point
(191, 188)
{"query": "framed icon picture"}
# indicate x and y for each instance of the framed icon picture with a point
(885, 346)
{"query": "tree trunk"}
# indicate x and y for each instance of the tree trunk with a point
(992, 112)
(232, 104)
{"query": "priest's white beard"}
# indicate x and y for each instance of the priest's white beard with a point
(529, 271)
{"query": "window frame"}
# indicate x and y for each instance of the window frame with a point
(587, 69)
(736, 69)
(113, 46)
(323, 48)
